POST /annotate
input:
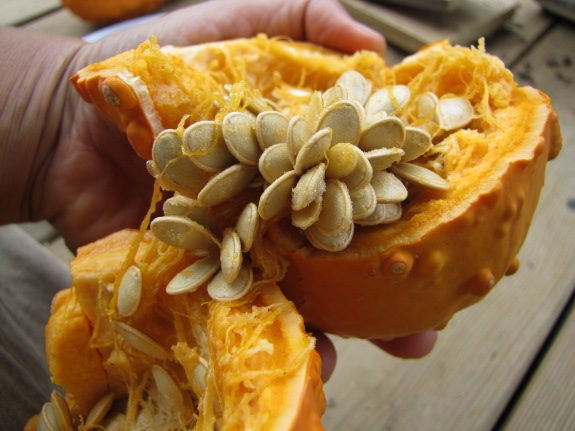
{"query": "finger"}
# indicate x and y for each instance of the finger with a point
(409, 347)
(326, 350)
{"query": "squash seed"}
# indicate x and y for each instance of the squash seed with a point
(314, 151)
(140, 341)
(61, 411)
(309, 187)
(358, 88)
(341, 160)
(99, 410)
(314, 108)
(334, 94)
(179, 205)
(383, 214)
(453, 113)
(239, 133)
(227, 184)
(167, 147)
(184, 233)
(271, 128)
(171, 396)
(220, 290)
(276, 198)
(417, 142)
(193, 276)
(391, 100)
(361, 175)
(330, 242)
(426, 103)
(383, 158)
(420, 175)
(247, 226)
(299, 132)
(231, 257)
(204, 143)
(307, 216)
(363, 202)
(130, 291)
(337, 212)
(388, 188)
(274, 162)
(344, 118)
(387, 132)
(47, 420)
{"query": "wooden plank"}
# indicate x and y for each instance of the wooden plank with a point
(14, 12)
(485, 351)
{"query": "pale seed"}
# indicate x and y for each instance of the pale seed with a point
(130, 291)
(220, 290)
(361, 175)
(309, 187)
(426, 103)
(182, 175)
(114, 422)
(227, 184)
(100, 410)
(274, 162)
(383, 214)
(231, 257)
(61, 411)
(314, 108)
(341, 160)
(383, 158)
(334, 94)
(356, 85)
(193, 276)
(239, 133)
(329, 242)
(140, 341)
(184, 233)
(337, 212)
(363, 202)
(420, 175)
(47, 420)
(276, 198)
(179, 205)
(247, 226)
(170, 394)
(388, 188)
(417, 142)
(299, 132)
(344, 118)
(390, 100)
(205, 144)
(271, 128)
(314, 151)
(453, 113)
(387, 132)
(307, 216)
(167, 147)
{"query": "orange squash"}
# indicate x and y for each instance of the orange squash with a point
(107, 11)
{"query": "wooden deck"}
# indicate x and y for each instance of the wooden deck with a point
(507, 363)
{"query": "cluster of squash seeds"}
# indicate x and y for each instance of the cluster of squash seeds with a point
(344, 163)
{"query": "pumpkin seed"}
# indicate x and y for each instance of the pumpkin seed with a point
(363, 202)
(361, 175)
(227, 184)
(383, 214)
(314, 151)
(231, 255)
(337, 212)
(417, 142)
(309, 187)
(47, 420)
(130, 291)
(205, 144)
(383, 158)
(247, 226)
(314, 108)
(329, 242)
(220, 290)
(299, 132)
(344, 118)
(114, 422)
(61, 412)
(453, 113)
(391, 100)
(171, 396)
(420, 175)
(274, 162)
(179, 205)
(341, 160)
(426, 103)
(183, 233)
(167, 147)
(334, 94)
(307, 216)
(388, 132)
(193, 276)
(99, 410)
(276, 199)
(271, 128)
(358, 88)
(388, 188)
(239, 133)
(140, 341)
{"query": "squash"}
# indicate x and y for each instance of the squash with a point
(107, 11)
(231, 131)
